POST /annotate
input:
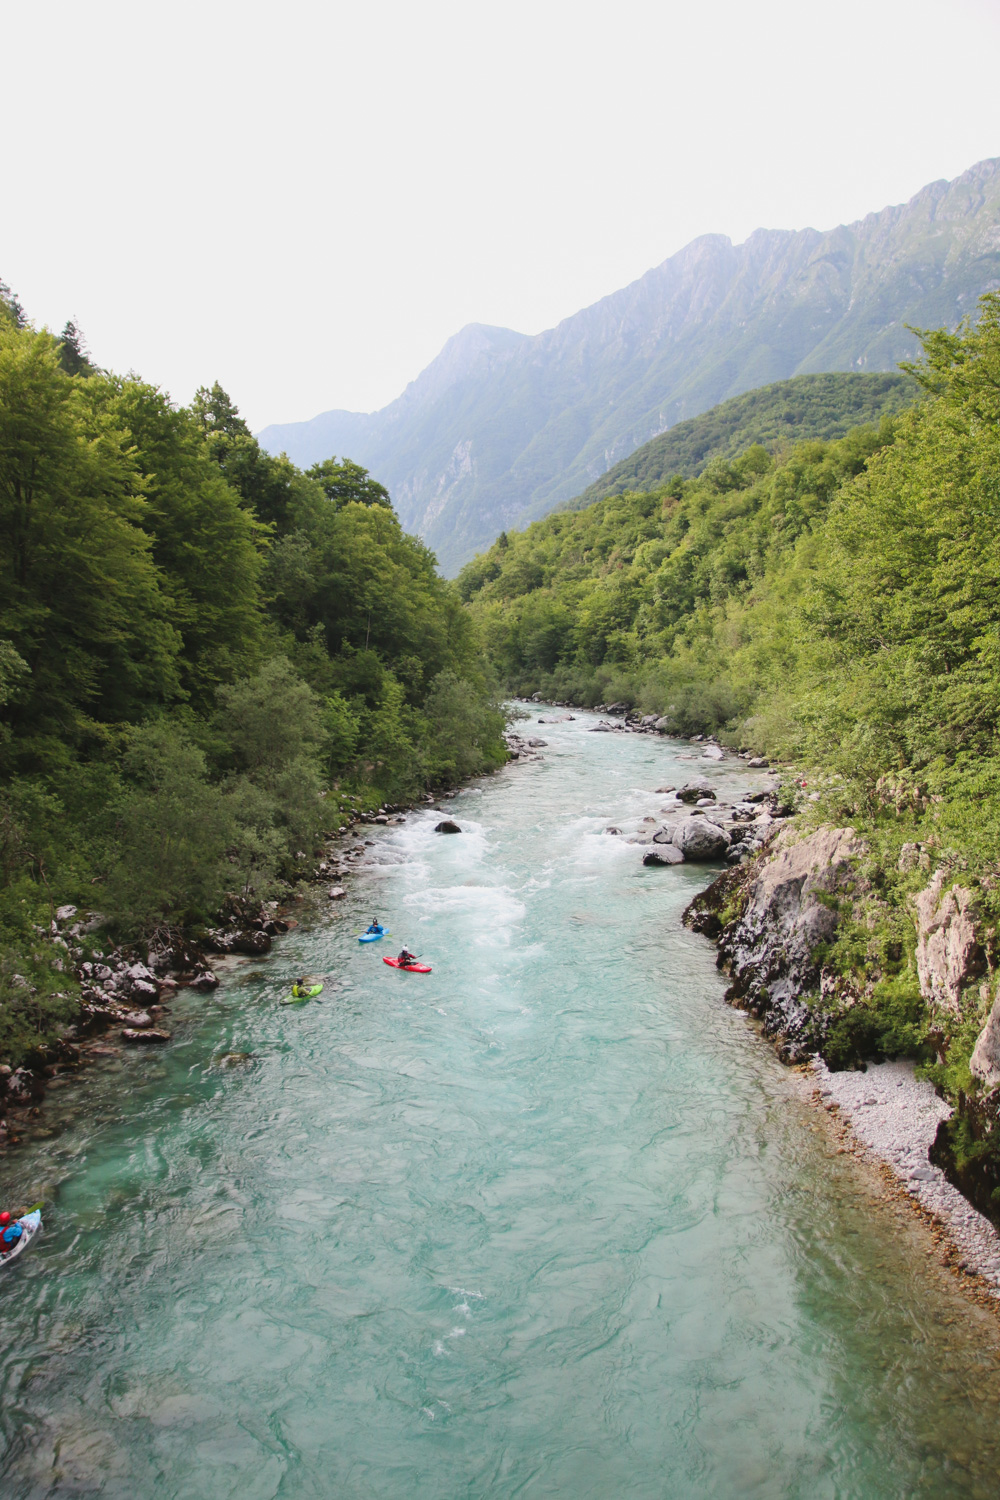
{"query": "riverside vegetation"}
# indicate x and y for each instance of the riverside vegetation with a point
(834, 608)
(206, 657)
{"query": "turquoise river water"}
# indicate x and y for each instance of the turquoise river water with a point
(550, 1221)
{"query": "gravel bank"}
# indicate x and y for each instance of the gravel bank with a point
(894, 1117)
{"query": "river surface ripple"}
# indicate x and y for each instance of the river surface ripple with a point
(551, 1221)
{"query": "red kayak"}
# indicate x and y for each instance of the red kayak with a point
(394, 963)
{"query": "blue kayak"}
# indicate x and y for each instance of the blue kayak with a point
(373, 937)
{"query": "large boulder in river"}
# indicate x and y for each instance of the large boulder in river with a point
(696, 790)
(700, 840)
(446, 826)
(663, 854)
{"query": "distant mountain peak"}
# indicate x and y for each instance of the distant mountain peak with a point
(502, 427)
(470, 350)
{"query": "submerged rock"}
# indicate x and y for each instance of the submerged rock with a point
(447, 826)
(151, 1037)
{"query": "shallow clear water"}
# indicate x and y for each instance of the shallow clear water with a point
(550, 1221)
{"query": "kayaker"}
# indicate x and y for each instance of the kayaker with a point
(376, 925)
(301, 987)
(406, 957)
(10, 1232)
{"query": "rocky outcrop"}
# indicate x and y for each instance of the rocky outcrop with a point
(949, 953)
(787, 904)
(985, 1060)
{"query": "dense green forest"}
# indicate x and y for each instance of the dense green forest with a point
(778, 415)
(836, 608)
(205, 655)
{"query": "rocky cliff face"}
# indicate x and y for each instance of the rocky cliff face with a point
(770, 918)
(502, 427)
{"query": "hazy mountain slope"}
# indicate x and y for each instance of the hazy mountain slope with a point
(807, 406)
(502, 427)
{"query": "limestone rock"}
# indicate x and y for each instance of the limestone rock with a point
(700, 840)
(697, 790)
(949, 954)
(663, 854)
(337, 893)
(139, 1020)
(910, 859)
(713, 752)
(203, 980)
(150, 1037)
(985, 1059)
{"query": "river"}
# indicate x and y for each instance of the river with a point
(550, 1221)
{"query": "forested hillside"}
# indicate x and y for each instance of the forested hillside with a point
(204, 653)
(810, 406)
(837, 608)
(502, 427)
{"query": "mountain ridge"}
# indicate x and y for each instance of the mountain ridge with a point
(503, 427)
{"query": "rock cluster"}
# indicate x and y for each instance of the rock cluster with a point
(521, 749)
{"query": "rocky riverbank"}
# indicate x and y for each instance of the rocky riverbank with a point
(125, 991)
(774, 921)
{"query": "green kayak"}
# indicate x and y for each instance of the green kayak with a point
(300, 996)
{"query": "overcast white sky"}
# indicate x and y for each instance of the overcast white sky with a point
(304, 200)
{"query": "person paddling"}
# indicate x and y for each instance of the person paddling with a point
(376, 925)
(301, 987)
(10, 1232)
(406, 958)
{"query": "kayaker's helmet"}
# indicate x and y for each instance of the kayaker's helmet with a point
(5, 1219)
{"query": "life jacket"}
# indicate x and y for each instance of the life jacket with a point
(11, 1235)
